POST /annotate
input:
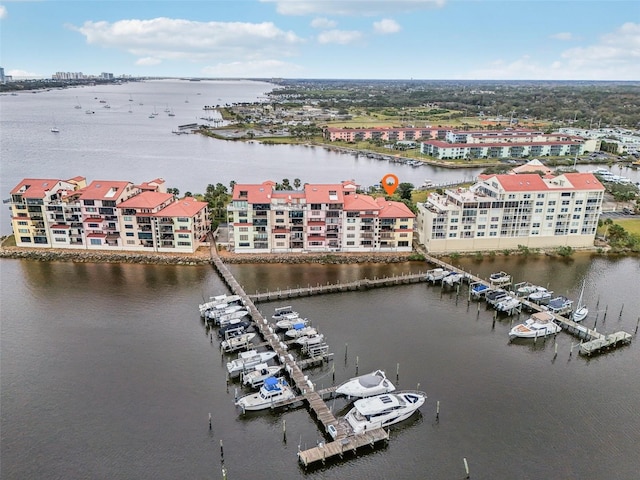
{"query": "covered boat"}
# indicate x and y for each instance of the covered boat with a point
(374, 383)
(273, 391)
(248, 360)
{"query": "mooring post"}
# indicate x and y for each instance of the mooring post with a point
(622, 308)
(466, 467)
(209, 421)
(284, 429)
(357, 364)
(346, 349)
(221, 451)
(438, 411)
(555, 350)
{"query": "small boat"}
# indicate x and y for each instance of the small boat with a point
(539, 324)
(225, 300)
(248, 360)
(499, 278)
(89, 112)
(222, 309)
(239, 342)
(229, 317)
(273, 390)
(479, 289)
(581, 310)
(507, 304)
(541, 296)
(559, 305)
(383, 410)
(55, 130)
(495, 296)
(234, 328)
(281, 312)
(259, 374)
(300, 329)
(289, 320)
(311, 339)
(374, 383)
(437, 274)
(453, 278)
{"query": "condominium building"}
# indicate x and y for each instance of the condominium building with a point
(391, 134)
(321, 217)
(105, 215)
(507, 211)
(504, 144)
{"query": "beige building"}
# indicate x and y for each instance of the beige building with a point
(506, 211)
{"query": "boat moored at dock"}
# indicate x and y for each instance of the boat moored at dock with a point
(374, 383)
(248, 361)
(540, 324)
(273, 391)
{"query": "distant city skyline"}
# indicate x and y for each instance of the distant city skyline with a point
(351, 39)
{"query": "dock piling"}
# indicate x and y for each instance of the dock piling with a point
(438, 411)
(466, 467)
(209, 421)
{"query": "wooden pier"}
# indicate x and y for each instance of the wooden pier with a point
(338, 448)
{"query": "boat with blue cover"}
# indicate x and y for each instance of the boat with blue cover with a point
(273, 391)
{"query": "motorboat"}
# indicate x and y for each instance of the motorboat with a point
(499, 278)
(248, 360)
(256, 377)
(581, 310)
(437, 274)
(525, 289)
(311, 339)
(507, 304)
(287, 321)
(222, 309)
(218, 300)
(495, 296)
(541, 296)
(540, 324)
(559, 305)
(374, 383)
(229, 317)
(383, 410)
(453, 278)
(272, 391)
(300, 329)
(239, 342)
(234, 328)
(479, 289)
(281, 312)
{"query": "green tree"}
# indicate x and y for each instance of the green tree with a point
(296, 183)
(405, 189)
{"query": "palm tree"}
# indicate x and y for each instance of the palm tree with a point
(296, 183)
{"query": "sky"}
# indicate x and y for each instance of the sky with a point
(339, 39)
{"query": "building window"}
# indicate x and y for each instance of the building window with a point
(453, 235)
(403, 243)
(281, 236)
(243, 229)
(130, 234)
(279, 244)
(58, 239)
(493, 234)
(183, 235)
(25, 239)
(128, 226)
(244, 237)
(184, 244)
(95, 241)
(351, 243)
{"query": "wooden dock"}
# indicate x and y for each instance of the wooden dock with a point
(339, 447)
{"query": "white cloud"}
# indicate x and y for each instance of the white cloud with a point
(564, 36)
(254, 69)
(386, 26)
(148, 61)
(323, 23)
(352, 7)
(341, 37)
(17, 74)
(3, 12)
(176, 39)
(616, 56)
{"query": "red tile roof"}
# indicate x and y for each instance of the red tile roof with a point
(35, 187)
(256, 193)
(583, 181)
(521, 182)
(320, 193)
(390, 209)
(187, 207)
(359, 202)
(104, 190)
(146, 200)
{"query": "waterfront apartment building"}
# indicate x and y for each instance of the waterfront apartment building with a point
(388, 134)
(318, 218)
(105, 215)
(506, 211)
(509, 143)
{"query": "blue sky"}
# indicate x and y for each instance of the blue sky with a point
(377, 39)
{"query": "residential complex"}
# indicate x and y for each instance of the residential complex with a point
(106, 215)
(448, 143)
(506, 144)
(318, 218)
(506, 211)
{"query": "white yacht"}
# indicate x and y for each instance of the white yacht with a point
(222, 309)
(540, 324)
(383, 410)
(256, 377)
(507, 304)
(437, 274)
(273, 390)
(499, 278)
(541, 295)
(248, 360)
(374, 383)
(581, 310)
(227, 318)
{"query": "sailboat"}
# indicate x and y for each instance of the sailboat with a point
(77, 106)
(54, 129)
(581, 311)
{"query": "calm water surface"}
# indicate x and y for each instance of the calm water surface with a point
(107, 372)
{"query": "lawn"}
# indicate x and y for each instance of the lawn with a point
(631, 225)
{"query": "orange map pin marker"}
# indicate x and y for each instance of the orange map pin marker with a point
(390, 183)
